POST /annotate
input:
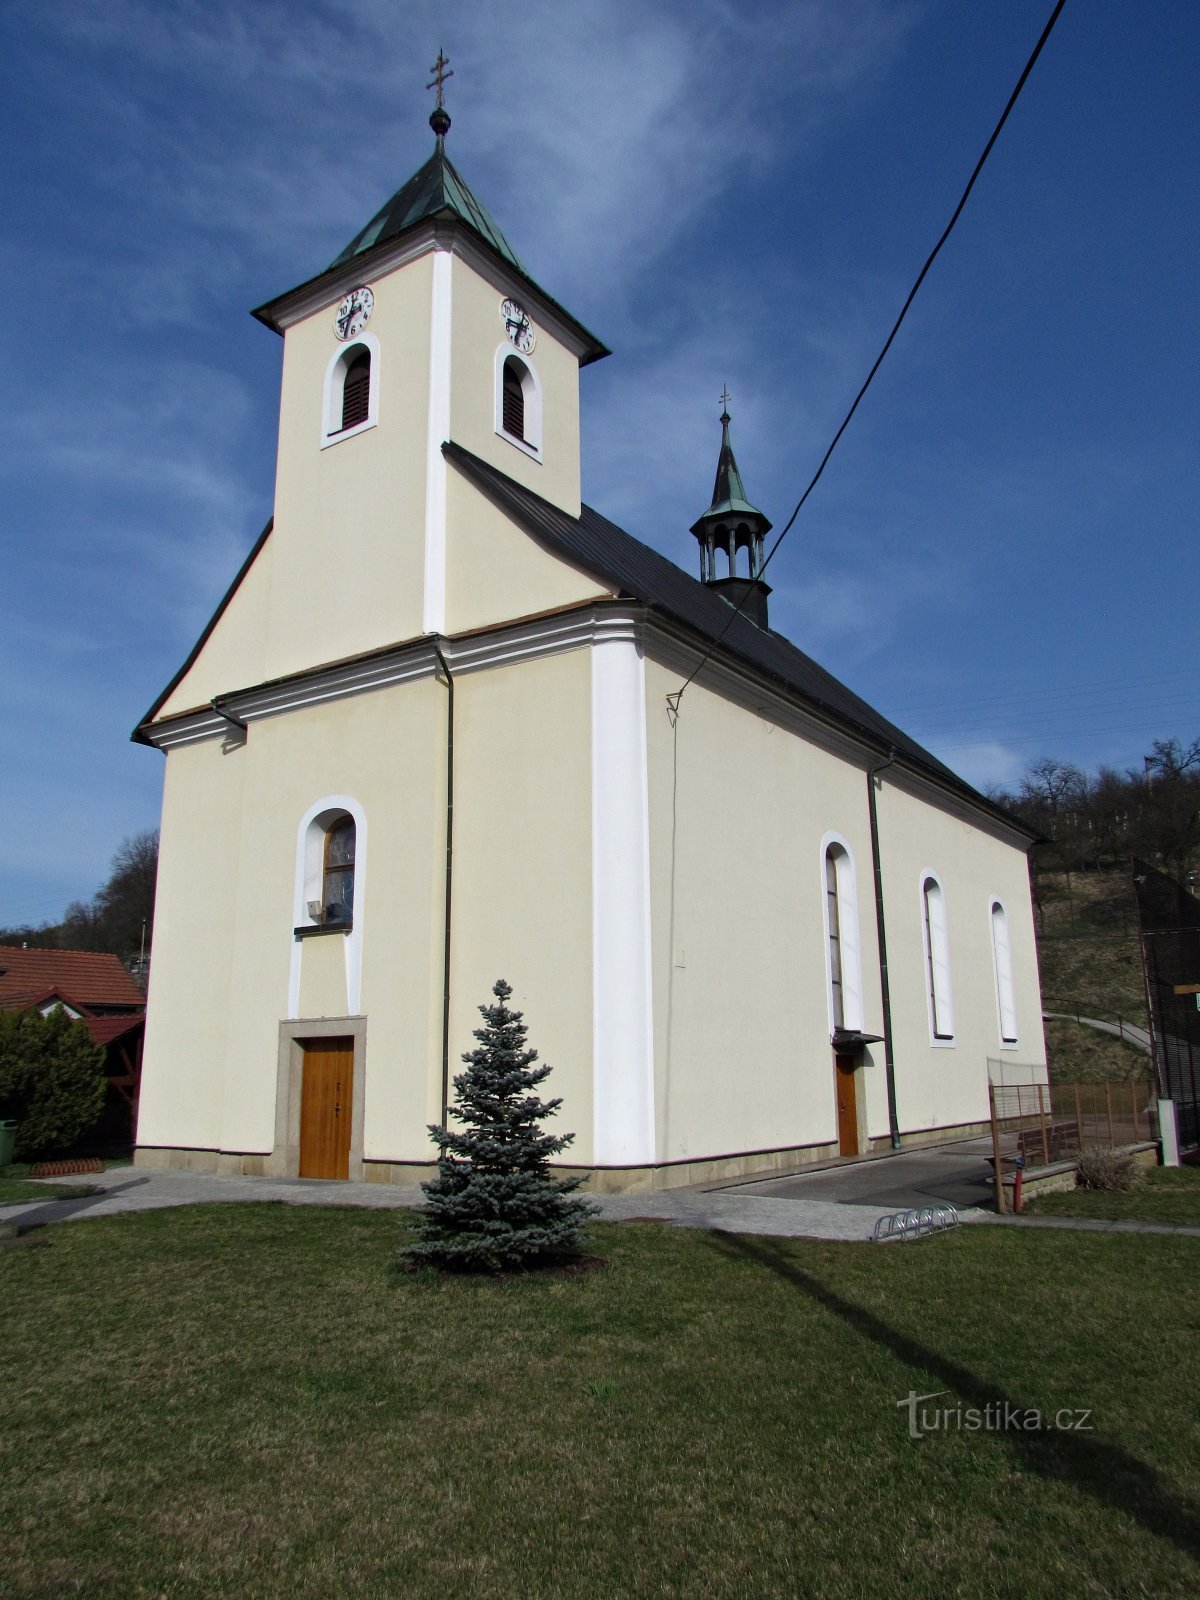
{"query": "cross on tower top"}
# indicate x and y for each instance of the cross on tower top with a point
(726, 397)
(439, 76)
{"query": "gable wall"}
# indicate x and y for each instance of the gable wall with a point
(226, 959)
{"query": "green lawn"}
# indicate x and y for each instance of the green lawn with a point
(14, 1190)
(1170, 1194)
(252, 1401)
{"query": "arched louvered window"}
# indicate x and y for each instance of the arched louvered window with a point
(1005, 994)
(356, 391)
(338, 878)
(514, 398)
(937, 959)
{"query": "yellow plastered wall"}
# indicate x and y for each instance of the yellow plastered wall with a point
(937, 1085)
(344, 565)
(738, 810)
(224, 943)
(476, 333)
(495, 571)
(522, 868)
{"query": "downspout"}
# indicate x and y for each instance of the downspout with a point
(449, 880)
(889, 1065)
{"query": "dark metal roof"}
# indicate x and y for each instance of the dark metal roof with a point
(437, 188)
(602, 548)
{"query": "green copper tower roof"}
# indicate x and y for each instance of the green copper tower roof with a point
(433, 191)
(729, 492)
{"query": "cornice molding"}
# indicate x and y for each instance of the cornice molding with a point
(529, 640)
(664, 641)
(438, 233)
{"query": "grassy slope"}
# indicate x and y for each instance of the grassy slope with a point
(1090, 960)
(1170, 1194)
(255, 1403)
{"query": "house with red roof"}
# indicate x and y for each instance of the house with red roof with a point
(93, 988)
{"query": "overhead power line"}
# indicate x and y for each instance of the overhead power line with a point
(674, 698)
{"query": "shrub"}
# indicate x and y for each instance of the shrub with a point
(495, 1203)
(1102, 1167)
(51, 1080)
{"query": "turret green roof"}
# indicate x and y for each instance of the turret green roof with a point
(433, 191)
(729, 492)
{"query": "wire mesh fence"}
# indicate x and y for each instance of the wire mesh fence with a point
(1042, 1123)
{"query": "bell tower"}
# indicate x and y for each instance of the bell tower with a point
(730, 525)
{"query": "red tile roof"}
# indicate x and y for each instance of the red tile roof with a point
(105, 1030)
(83, 976)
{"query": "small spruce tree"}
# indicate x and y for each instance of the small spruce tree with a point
(494, 1204)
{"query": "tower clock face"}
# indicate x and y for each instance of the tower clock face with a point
(354, 313)
(517, 325)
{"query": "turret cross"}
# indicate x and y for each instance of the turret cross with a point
(439, 75)
(726, 397)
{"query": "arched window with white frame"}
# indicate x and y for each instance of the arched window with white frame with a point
(842, 962)
(518, 401)
(1006, 1003)
(350, 404)
(937, 959)
(329, 893)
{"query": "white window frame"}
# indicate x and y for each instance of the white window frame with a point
(309, 884)
(935, 943)
(531, 386)
(339, 364)
(850, 947)
(1006, 995)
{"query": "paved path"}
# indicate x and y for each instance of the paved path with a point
(130, 1189)
(1138, 1037)
(125, 1189)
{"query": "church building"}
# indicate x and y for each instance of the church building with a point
(434, 736)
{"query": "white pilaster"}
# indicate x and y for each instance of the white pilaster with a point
(622, 996)
(438, 432)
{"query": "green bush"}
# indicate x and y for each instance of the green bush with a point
(51, 1080)
(1102, 1167)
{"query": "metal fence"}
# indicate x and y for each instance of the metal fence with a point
(1169, 924)
(1043, 1123)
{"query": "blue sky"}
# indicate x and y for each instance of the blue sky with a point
(1002, 553)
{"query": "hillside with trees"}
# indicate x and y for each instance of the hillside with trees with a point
(119, 918)
(1092, 825)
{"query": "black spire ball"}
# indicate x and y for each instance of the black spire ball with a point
(439, 121)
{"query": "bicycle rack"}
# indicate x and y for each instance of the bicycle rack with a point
(917, 1224)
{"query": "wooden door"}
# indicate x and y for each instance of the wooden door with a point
(326, 1081)
(847, 1106)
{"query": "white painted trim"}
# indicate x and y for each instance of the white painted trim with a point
(531, 388)
(331, 400)
(443, 234)
(437, 433)
(931, 934)
(531, 640)
(313, 824)
(1002, 970)
(848, 930)
(622, 995)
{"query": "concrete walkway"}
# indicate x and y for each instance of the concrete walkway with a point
(125, 1189)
